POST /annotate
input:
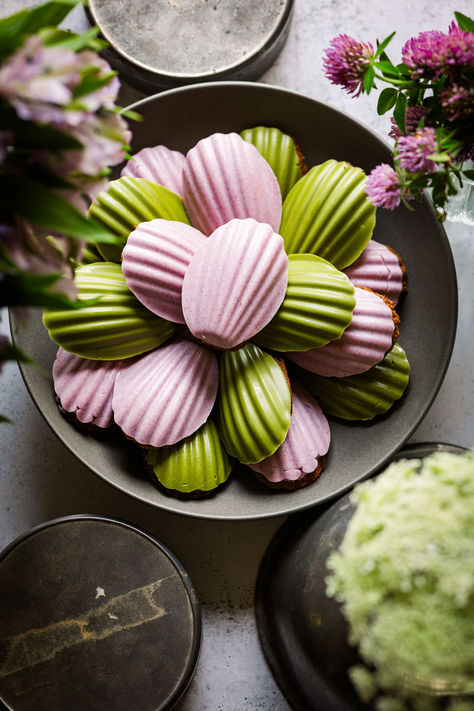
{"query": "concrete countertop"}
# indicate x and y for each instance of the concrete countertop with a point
(40, 480)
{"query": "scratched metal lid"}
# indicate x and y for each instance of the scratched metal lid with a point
(94, 614)
(167, 43)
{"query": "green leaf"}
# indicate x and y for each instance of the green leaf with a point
(69, 40)
(440, 157)
(41, 206)
(381, 47)
(15, 28)
(11, 352)
(400, 111)
(30, 135)
(91, 83)
(369, 77)
(464, 22)
(386, 100)
(28, 289)
(387, 68)
(469, 174)
(403, 69)
(128, 113)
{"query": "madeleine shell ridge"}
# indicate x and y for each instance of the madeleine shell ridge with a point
(154, 262)
(198, 463)
(235, 283)
(128, 201)
(327, 213)
(224, 178)
(379, 268)
(279, 150)
(85, 387)
(158, 164)
(307, 440)
(364, 343)
(316, 309)
(167, 394)
(113, 325)
(254, 403)
(363, 396)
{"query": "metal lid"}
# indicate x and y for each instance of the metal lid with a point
(167, 43)
(94, 614)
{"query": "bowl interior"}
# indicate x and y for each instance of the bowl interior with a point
(179, 118)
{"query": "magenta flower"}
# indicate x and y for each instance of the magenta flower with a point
(346, 62)
(414, 151)
(106, 96)
(457, 101)
(383, 187)
(413, 116)
(433, 53)
(38, 81)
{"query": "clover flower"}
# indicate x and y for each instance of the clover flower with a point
(413, 117)
(383, 187)
(346, 62)
(432, 97)
(39, 81)
(457, 101)
(434, 53)
(415, 151)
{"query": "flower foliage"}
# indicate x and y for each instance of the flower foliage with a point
(60, 132)
(431, 95)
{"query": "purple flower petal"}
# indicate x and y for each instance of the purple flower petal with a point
(346, 61)
(383, 187)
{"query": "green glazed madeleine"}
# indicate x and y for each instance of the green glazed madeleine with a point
(317, 307)
(254, 404)
(128, 201)
(198, 463)
(115, 326)
(327, 213)
(363, 396)
(279, 150)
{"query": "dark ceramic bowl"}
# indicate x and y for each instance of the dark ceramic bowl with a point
(310, 659)
(179, 118)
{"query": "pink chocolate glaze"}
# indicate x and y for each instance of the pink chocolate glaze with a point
(307, 440)
(226, 177)
(154, 262)
(85, 387)
(363, 344)
(158, 164)
(166, 394)
(378, 268)
(235, 283)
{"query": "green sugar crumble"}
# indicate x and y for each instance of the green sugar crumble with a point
(404, 575)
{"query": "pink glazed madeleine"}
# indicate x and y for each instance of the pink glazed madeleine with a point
(379, 268)
(85, 387)
(235, 283)
(301, 457)
(166, 394)
(154, 262)
(226, 177)
(370, 335)
(158, 164)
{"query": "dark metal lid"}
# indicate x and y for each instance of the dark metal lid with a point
(94, 614)
(167, 43)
